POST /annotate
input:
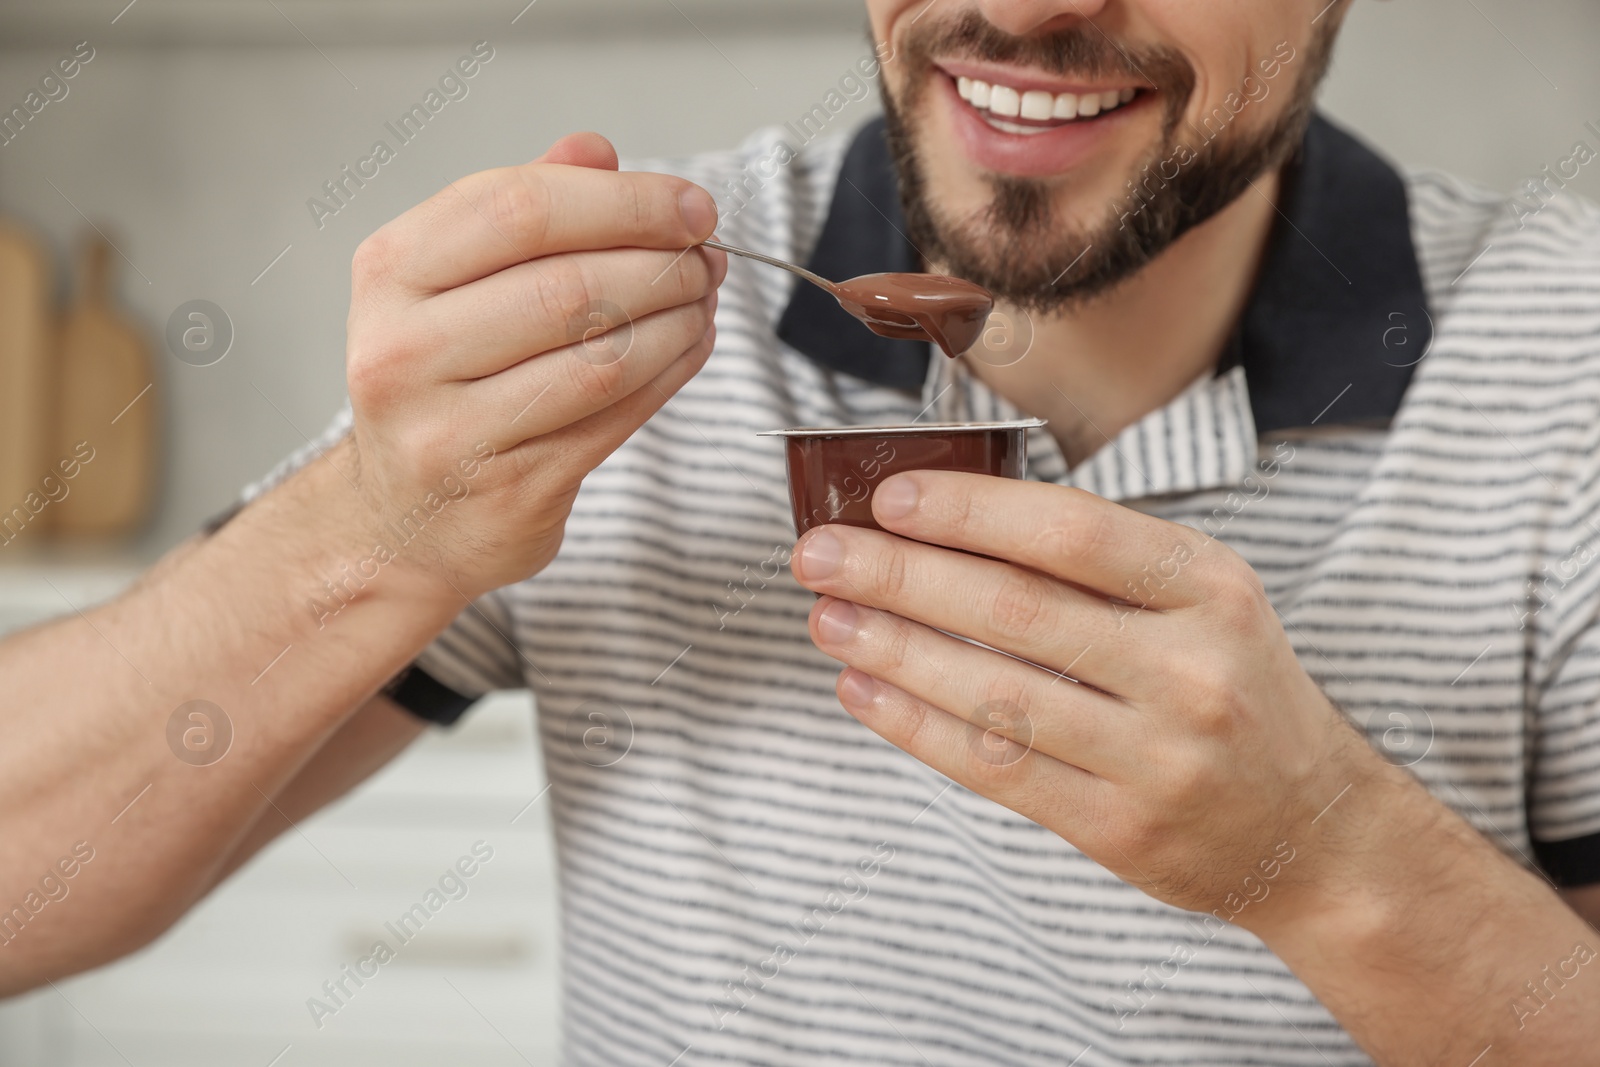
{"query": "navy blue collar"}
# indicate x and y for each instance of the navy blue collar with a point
(1339, 308)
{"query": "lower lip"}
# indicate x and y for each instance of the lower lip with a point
(1033, 155)
(833, 472)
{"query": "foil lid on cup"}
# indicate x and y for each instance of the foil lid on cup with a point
(907, 430)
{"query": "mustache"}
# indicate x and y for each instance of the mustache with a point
(1082, 51)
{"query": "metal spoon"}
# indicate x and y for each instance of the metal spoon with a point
(918, 307)
(814, 279)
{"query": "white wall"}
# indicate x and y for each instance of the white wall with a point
(1489, 89)
(199, 158)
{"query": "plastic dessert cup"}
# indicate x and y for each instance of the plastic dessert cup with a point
(834, 469)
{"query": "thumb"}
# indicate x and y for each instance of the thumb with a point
(582, 150)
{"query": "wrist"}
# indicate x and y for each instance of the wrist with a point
(1423, 939)
(1375, 866)
(335, 556)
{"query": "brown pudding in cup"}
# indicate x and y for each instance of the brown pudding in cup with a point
(834, 469)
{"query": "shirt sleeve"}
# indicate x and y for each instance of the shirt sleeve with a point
(475, 654)
(1563, 604)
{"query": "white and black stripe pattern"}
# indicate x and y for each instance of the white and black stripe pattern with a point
(1399, 559)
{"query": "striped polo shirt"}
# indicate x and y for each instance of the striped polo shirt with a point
(1401, 438)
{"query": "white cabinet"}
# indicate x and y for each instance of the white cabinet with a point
(475, 981)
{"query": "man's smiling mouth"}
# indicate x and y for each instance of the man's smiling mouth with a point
(1025, 111)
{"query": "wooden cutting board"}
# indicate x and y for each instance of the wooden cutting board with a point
(106, 403)
(25, 387)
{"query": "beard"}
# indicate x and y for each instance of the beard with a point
(1018, 247)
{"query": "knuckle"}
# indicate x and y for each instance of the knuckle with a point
(375, 259)
(961, 514)
(1009, 707)
(531, 469)
(518, 204)
(1238, 593)
(889, 573)
(997, 764)
(913, 725)
(561, 295)
(892, 647)
(1191, 544)
(1084, 530)
(598, 383)
(1096, 533)
(374, 370)
(1208, 677)
(1020, 605)
(367, 385)
(637, 204)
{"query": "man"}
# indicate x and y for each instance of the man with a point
(1320, 454)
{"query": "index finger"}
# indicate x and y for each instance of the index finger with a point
(488, 221)
(1064, 532)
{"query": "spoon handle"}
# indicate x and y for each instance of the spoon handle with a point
(814, 279)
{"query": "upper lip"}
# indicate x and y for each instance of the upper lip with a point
(1026, 80)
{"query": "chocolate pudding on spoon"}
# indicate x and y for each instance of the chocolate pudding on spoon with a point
(950, 312)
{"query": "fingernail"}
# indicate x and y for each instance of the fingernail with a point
(820, 557)
(837, 623)
(699, 211)
(895, 497)
(857, 690)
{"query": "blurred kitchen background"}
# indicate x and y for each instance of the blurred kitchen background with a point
(187, 147)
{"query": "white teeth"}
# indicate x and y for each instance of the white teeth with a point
(1037, 105)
